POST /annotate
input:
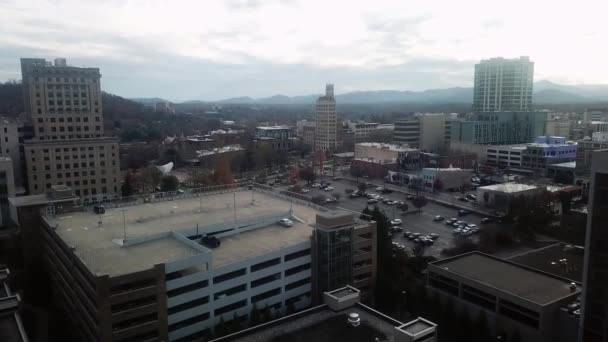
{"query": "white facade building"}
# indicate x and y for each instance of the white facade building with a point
(450, 177)
(326, 121)
(505, 155)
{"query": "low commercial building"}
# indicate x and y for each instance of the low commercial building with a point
(505, 155)
(282, 132)
(500, 195)
(516, 299)
(407, 158)
(341, 317)
(547, 150)
(170, 268)
(11, 326)
(361, 129)
(373, 168)
(450, 178)
(429, 132)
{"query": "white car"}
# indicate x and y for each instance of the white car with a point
(285, 222)
(305, 191)
(396, 222)
(379, 188)
(315, 185)
(329, 188)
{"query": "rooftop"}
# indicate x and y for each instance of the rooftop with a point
(527, 283)
(270, 128)
(100, 246)
(391, 147)
(566, 165)
(509, 187)
(559, 259)
(321, 324)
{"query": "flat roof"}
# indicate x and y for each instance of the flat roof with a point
(390, 147)
(321, 324)
(97, 246)
(24, 201)
(510, 187)
(526, 283)
(566, 165)
(559, 259)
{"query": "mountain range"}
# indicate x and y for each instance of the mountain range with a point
(545, 92)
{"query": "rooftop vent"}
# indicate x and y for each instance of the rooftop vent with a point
(59, 192)
(353, 319)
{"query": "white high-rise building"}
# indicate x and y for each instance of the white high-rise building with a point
(326, 121)
(503, 85)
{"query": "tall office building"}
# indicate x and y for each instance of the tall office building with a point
(63, 103)
(424, 131)
(503, 85)
(594, 320)
(326, 121)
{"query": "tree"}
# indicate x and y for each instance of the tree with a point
(486, 197)
(290, 307)
(223, 173)
(419, 202)
(255, 316)
(308, 174)
(264, 156)
(438, 185)
(366, 214)
(128, 187)
(565, 199)
(318, 199)
(169, 183)
(418, 250)
(361, 187)
(404, 207)
(149, 178)
(336, 195)
(356, 172)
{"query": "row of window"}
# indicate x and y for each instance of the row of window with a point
(91, 164)
(64, 86)
(71, 136)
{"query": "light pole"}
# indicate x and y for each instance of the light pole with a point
(124, 226)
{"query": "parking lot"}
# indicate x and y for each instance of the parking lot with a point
(415, 222)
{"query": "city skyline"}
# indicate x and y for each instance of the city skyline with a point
(223, 49)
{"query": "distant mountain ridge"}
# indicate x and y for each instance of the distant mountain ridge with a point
(545, 92)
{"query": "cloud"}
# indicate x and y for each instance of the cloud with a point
(212, 49)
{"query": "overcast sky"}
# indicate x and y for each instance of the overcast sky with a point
(207, 49)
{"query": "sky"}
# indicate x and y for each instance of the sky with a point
(209, 50)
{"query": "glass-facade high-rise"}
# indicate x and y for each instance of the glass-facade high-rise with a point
(502, 128)
(503, 85)
(594, 320)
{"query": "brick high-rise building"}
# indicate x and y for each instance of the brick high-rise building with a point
(63, 103)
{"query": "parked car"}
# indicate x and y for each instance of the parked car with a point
(471, 197)
(305, 191)
(372, 201)
(328, 188)
(285, 222)
(379, 188)
(463, 212)
(316, 185)
(486, 220)
(410, 197)
(396, 222)
(331, 200)
(438, 218)
(386, 191)
(434, 236)
(462, 199)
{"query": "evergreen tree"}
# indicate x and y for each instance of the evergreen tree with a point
(290, 307)
(266, 314)
(235, 324)
(221, 328)
(255, 317)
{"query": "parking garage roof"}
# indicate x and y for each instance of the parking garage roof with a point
(99, 246)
